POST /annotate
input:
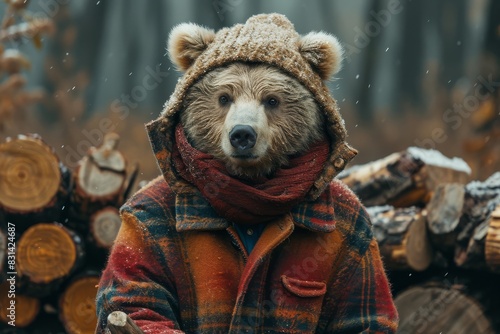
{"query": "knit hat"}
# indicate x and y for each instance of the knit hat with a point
(264, 38)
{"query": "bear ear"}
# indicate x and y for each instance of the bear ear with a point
(186, 42)
(323, 51)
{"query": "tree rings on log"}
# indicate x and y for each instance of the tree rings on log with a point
(47, 253)
(30, 175)
(99, 178)
(26, 308)
(77, 305)
(436, 309)
(32, 180)
(104, 227)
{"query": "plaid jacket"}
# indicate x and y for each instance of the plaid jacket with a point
(177, 267)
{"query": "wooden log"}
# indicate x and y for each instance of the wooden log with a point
(439, 309)
(472, 254)
(104, 227)
(492, 246)
(47, 254)
(3, 251)
(480, 201)
(129, 187)
(99, 179)
(378, 182)
(404, 179)
(120, 323)
(443, 215)
(77, 310)
(22, 312)
(34, 184)
(402, 237)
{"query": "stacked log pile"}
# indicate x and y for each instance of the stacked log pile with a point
(61, 223)
(429, 220)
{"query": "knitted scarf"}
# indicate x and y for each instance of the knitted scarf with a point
(242, 201)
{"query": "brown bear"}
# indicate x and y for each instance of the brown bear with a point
(253, 117)
(247, 231)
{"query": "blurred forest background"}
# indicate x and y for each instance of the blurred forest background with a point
(422, 73)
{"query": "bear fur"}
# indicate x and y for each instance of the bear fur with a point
(285, 129)
(246, 230)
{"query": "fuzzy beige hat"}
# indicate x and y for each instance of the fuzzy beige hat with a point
(264, 38)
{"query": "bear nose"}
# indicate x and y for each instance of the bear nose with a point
(242, 137)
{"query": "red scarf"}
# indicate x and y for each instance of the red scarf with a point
(246, 202)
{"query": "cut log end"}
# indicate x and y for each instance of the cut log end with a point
(77, 305)
(30, 307)
(99, 178)
(29, 174)
(418, 246)
(492, 245)
(432, 309)
(445, 208)
(104, 227)
(402, 237)
(120, 323)
(46, 252)
(3, 250)
(117, 319)
(97, 182)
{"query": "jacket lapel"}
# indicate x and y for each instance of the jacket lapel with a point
(274, 234)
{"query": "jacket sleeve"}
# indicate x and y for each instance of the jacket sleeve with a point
(134, 282)
(366, 304)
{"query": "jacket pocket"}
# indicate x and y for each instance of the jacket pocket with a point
(303, 288)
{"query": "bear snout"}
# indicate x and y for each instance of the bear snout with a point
(242, 138)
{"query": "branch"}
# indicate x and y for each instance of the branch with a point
(27, 29)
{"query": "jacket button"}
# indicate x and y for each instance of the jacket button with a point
(339, 163)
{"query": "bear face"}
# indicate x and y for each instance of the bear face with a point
(254, 114)
(252, 117)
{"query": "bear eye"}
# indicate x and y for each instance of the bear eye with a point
(272, 102)
(224, 99)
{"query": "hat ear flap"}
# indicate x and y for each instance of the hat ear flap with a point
(323, 52)
(186, 42)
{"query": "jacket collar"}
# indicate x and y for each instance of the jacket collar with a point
(194, 213)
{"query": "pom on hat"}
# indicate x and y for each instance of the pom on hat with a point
(323, 51)
(186, 42)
